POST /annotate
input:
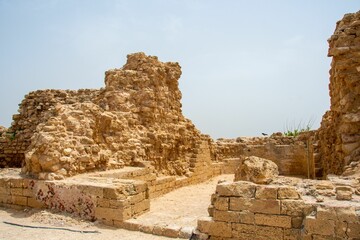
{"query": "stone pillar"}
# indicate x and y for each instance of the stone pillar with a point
(339, 134)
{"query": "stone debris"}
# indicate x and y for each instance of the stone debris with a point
(257, 170)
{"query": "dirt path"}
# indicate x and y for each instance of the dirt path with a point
(181, 208)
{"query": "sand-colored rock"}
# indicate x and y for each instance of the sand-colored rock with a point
(136, 119)
(339, 134)
(257, 170)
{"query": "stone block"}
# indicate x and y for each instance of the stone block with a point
(129, 225)
(296, 222)
(231, 216)
(266, 206)
(220, 229)
(137, 198)
(288, 193)
(171, 231)
(146, 228)
(16, 191)
(236, 189)
(266, 192)
(326, 213)
(28, 192)
(239, 204)
(118, 203)
(273, 220)
(340, 229)
(114, 193)
(140, 207)
(343, 195)
(353, 230)
(255, 205)
(34, 203)
(257, 232)
(208, 226)
(295, 208)
(222, 203)
(119, 214)
(16, 183)
(292, 234)
(258, 170)
(158, 230)
(186, 232)
(93, 191)
(4, 183)
(347, 214)
(19, 200)
(320, 227)
(5, 198)
(4, 190)
(102, 202)
(204, 223)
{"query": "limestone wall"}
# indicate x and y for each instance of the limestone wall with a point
(339, 134)
(291, 154)
(244, 210)
(36, 108)
(11, 149)
(135, 120)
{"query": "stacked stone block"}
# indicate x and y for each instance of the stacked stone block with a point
(338, 136)
(245, 210)
(291, 154)
(135, 120)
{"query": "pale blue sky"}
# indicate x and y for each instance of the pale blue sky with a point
(248, 66)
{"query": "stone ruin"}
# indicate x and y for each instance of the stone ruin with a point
(135, 120)
(104, 154)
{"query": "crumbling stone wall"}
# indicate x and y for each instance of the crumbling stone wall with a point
(37, 107)
(339, 134)
(291, 154)
(11, 149)
(136, 120)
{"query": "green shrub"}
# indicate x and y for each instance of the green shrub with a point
(295, 130)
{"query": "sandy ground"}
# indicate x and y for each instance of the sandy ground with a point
(181, 207)
(45, 218)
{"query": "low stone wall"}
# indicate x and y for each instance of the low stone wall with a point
(103, 199)
(109, 196)
(293, 155)
(244, 210)
(36, 108)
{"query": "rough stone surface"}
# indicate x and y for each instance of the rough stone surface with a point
(257, 170)
(289, 153)
(136, 119)
(339, 134)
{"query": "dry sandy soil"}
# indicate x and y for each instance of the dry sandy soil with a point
(181, 208)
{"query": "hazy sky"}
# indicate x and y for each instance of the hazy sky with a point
(248, 66)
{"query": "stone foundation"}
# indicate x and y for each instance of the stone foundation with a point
(301, 209)
(111, 196)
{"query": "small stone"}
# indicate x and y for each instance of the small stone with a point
(319, 199)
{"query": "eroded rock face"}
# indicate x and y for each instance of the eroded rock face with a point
(257, 170)
(137, 118)
(339, 134)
